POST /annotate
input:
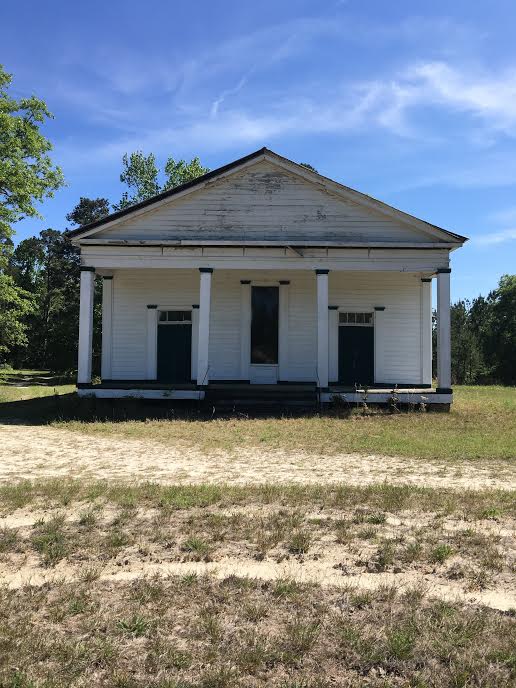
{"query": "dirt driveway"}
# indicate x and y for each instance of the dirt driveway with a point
(35, 452)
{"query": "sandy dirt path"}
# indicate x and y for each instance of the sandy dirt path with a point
(35, 452)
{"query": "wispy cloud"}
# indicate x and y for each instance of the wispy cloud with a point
(227, 96)
(496, 237)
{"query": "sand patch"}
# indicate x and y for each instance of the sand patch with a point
(36, 452)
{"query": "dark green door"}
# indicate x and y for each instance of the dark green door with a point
(175, 353)
(356, 355)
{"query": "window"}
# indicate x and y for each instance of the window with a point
(175, 316)
(364, 319)
(264, 325)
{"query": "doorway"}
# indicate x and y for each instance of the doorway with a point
(264, 334)
(174, 352)
(356, 349)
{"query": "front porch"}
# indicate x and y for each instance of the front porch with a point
(242, 394)
(211, 353)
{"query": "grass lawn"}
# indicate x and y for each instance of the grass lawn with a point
(101, 619)
(481, 424)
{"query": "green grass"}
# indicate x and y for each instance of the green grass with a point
(377, 498)
(26, 385)
(481, 424)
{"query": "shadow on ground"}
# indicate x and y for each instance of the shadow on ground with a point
(69, 406)
(41, 410)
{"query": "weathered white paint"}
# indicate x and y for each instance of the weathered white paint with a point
(87, 288)
(283, 355)
(443, 331)
(265, 201)
(245, 329)
(322, 329)
(398, 346)
(203, 346)
(426, 332)
(263, 374)
(217, 243)
(134, 291)
(397, 328)
(247, 258)
(107, 328)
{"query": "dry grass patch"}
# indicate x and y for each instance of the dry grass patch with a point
(195, 632)
(454, 540)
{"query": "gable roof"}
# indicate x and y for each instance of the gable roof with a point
(266, 153)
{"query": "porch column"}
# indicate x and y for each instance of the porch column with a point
(426, 331)
(443, 331)
(85, 325)
(322, 328)
(203, 346)
(107, 327)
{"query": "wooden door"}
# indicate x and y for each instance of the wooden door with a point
(356, 355)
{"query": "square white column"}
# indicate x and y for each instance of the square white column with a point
(85, 325)
(426, 331)
(443, 331)
(203, 346)
(322, 328)
(107, 328)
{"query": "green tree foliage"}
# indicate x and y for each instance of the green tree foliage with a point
(88, 210)
(48, 267)
(467, 359)
(27, 176)
(15, 304)
(309, 167)
(180, 172)
(484, 336)
(141, 174)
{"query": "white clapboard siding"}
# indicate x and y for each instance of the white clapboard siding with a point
(263, 203)
(133, 290)
(399, 339)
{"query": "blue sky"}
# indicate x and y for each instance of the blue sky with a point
(411, 102)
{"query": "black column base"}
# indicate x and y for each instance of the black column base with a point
(444, 390)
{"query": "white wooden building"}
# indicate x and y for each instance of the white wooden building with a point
(265, 273)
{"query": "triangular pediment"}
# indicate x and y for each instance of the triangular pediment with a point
(266, 199)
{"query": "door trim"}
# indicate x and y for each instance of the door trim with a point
(334, 324)
(245, 327)
(152, 336)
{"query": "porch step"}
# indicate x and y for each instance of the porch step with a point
(261, 395)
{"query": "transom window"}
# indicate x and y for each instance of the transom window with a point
(175, 316)
(355, 319)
